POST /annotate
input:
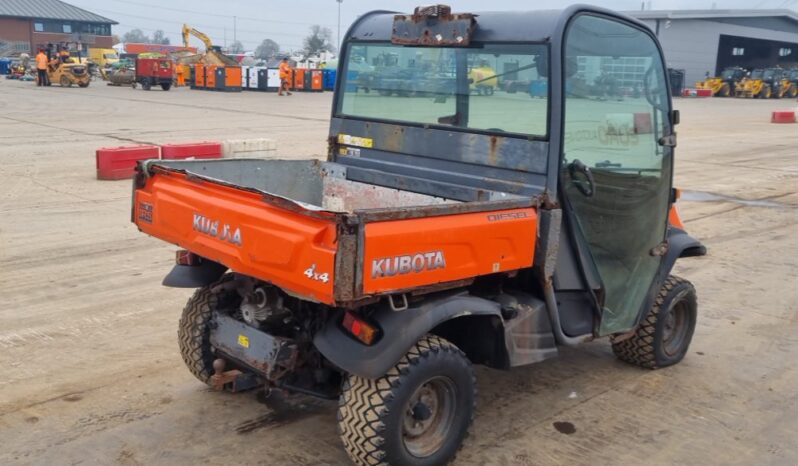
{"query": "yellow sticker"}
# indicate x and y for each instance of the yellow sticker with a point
(355, 141)
(243, 341)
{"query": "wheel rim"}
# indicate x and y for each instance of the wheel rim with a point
(428, 417)
(675, 329)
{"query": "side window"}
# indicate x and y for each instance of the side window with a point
(616, 97)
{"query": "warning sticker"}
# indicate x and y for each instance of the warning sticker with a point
(243, 340)
(355, 141)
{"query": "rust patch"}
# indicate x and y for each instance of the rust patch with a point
(433, 25)
(493, 150)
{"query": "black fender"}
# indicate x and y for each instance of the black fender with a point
(400, 331)
(194, 276)
(680, 244)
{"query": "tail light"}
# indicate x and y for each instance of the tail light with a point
(360, 329)
(183, 257)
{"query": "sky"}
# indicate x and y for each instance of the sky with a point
(288, 22)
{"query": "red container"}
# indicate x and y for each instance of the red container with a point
(118, 163)
(197, 150)
(783, 116)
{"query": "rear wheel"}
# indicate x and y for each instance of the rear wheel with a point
(793, 92)
(193, 333)
(166, 86)
(65, 81)
(417, 414)
(663, 338)
(145, 85)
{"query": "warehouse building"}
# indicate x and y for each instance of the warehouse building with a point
(707, 41)
(26, 25)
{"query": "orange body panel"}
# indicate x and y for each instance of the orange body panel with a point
(232, 76)
(674, 219)
(199, 75)
(210, 76)
(299, 79)
(404, 254)
(238, 229)
(316, 80)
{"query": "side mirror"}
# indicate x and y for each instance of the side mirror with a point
(675, 117)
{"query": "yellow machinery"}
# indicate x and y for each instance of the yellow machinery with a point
(483, 80)
(67, 74)
(213, 54)
(767, 83)
(724, 85)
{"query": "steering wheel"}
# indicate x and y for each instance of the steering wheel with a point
(584, 183)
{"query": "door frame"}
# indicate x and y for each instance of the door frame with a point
(584, 259)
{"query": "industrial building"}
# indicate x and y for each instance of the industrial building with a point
(707, 41)
(26, 25)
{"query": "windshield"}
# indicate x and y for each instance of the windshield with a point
(757, 74)
(111, 56)
(729, 74)
(494, 87)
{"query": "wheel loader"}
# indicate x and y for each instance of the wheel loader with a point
(724, 85)
(442, 231)
(765, 84)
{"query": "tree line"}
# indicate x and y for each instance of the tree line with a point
(318, 40)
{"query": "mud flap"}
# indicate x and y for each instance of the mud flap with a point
(194, 276)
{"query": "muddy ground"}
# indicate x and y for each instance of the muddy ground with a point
(87, 334)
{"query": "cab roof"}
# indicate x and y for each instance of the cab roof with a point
(491, 26)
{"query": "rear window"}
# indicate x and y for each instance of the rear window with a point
(490, 87)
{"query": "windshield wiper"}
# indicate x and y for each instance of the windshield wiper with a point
(523, 68)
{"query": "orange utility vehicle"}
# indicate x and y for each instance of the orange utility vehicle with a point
(444, 230)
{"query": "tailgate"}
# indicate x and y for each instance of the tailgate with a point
(240, 229)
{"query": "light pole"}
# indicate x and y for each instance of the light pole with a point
(339, 25)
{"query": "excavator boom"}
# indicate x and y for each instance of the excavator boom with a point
(212, 55)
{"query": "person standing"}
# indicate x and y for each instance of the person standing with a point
(285, 77)
(41, 68)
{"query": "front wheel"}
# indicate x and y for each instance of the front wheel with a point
(417, 414)
(65, 81)
(663, 338)
(166, 86)
(725, 90)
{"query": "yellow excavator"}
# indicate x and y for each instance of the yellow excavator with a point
(213, 54)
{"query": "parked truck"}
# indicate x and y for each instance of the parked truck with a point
(103, 58)
(442, 231)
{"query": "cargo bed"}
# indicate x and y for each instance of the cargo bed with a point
(303, 226)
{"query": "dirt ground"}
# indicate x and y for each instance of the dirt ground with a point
(88, 335)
